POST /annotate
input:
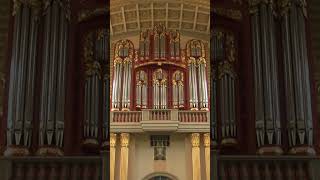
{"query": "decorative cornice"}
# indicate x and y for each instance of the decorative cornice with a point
(229, 13)
(87, 14)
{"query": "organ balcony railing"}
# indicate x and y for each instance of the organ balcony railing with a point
(160, 120)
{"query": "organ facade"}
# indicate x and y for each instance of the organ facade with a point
(160, 96)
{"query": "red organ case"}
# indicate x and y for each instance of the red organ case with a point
(160, 74)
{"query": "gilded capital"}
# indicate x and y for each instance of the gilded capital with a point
(113, 139)
(206, 139)
(124, 139)
(195, 139)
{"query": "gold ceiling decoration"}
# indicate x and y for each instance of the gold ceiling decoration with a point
(133, 16)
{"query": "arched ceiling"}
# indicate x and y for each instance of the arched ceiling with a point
(190, 17)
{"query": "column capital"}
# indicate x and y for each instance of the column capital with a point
(124, 139)
(206, 139)
(195, 139)
(113, 139)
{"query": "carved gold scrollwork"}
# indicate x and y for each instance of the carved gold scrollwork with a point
(227, 66)
(195, 139)
(92, 66)
(229, 13)
(231, 50)
(124, 44)
(36, 5)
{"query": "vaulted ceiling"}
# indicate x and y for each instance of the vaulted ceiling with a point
(191, 17)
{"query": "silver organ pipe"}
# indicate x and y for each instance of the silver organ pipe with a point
(181, 94)
(175, 94)
(203, 91)
(138, 90)
(126, 84)
(155, 94)
(162, 46)
(144, 90)
(146, 51)
(156, 46)
(116, 84)
(193, 84)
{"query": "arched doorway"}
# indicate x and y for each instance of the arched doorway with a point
(160, 176)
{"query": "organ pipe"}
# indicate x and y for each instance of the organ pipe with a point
(22, 77)
(53, 82)
(296, 71)
(265, 72)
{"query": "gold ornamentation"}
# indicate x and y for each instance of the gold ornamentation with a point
(16, 151)
(36, 5)
(113, 139)
(270, 150)
(206, 139)
(124, 139)
(229, 13)
(195, 139)
(87, 14)
(93, 68)
(225, 68)
(49, 151)
(231, 50)
(124, 44)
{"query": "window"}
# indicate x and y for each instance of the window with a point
(160, 143)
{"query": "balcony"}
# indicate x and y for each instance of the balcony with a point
(166, 120)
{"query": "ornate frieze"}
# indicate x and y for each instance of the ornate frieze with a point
(40, 6)
(234, 14)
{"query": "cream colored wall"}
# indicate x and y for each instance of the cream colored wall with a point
(175, 164)
(178, 162)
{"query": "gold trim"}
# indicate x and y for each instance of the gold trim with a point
(270, 150)
(302, 150)
(49, 151)
(16, 151)
(159, 64)
(229, 142)
(229, 13)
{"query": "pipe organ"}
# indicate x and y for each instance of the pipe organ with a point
(95, 44)
(141, 89)
(197, 75)
(223, 81)
(160, 73)
(121, 87)
(177, 89)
